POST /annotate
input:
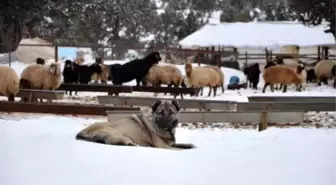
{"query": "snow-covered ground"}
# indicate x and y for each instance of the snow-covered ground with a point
(39, 149)
(43, 151)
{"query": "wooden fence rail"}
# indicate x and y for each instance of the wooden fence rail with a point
(310, 99)
(32, 94)
(59, 108)
(283, 106)
(225, 105)
(96, 88)
(173, 90)
(184, 103)
(263, 118)
(115, 89)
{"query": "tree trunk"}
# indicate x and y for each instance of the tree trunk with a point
(10, 34)
(116, 40)
(332, 26)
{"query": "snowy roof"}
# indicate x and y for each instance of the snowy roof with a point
(258, 35)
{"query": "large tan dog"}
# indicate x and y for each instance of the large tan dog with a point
(155, 130)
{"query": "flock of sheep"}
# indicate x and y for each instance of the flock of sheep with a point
(145, 70)
(148, 72)
(34, 76)
(298, 73)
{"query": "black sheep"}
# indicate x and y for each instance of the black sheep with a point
(310, 76)
(40, 61)
(114, 69)
(70, 75)
(269, 64)
(85, 72)
(135, 69)
(253, 73)
(279, 61)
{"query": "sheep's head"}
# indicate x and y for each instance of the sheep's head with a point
(300, 68)
(301, 64)
(40, 61)
(297, 80)
(269, 64)
(68, 64)
(54, 69)
(188, 67)
(153, 57)
(279, 60)
(99, 60)
(96, 68)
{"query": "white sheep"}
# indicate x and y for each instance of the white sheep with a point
(202, 77)
(9, 82)
(46, 77)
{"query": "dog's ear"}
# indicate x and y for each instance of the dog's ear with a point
(155, 105)
(176, 104)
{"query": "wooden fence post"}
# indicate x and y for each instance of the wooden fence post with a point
(246, 58)
(56, 53)
(263, 121)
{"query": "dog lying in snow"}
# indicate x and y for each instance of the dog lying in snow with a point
(154, 130)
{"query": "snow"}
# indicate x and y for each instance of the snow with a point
(215, 17)
(258, 35)
(39, 149)
(44, 151)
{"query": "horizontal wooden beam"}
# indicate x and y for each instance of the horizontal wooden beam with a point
(174, 90)
(223, 116)
(283, 106)
(184, 103)
(59, 108)
(44, 94)
(306, 99)
(96, 88)
(126, 89)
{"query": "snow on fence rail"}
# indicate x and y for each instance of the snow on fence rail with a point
(184, 103)
(115, 89)
(263, 118)
(295, 106)
(60, 108)
(32, 94)
(310, 99)
(96, 88)
(301, 105)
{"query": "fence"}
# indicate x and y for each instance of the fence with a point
(184, 103)
(311, 99)
(60, 108)
(262, 112)
(263, 118)
(183, 53)
(282, 103)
